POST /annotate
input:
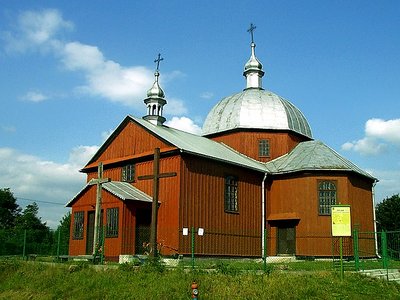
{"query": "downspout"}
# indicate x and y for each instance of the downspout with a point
(374, 216)
(263, 213)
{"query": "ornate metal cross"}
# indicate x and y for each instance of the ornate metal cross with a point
(251, 30)
(157, 60)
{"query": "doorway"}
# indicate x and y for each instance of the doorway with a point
(142, 234)
(286, 240)
(90, 231)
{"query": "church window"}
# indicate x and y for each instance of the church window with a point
(112, 222)
(231, 194)
(128, 173)
(327, 196)
(78, 225)
(263, 148)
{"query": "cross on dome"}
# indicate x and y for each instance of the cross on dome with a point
(251, 30)
(157, 61)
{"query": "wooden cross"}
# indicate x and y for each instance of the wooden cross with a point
(154, 207)
(251, 30)
(157, 60)
(99, 181)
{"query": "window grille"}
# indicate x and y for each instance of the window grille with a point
(263, 148)
(112, 222)
(327, 196)
(79, 218)
(231, 194)
(128, 173)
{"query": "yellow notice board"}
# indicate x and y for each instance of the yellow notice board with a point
(341, 220)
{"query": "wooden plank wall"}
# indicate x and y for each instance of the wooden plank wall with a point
(299, 195)
(247, 142)
(202, 205)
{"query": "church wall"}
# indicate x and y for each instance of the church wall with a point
(133, 139)
(86, 203)
(298, 196)
(202, 206)
(168, 227)
(246, 142)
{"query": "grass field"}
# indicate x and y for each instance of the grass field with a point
(308, 280)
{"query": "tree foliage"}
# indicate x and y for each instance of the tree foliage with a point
(9, 209)
(388, 213)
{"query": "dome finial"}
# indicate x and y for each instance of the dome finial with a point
(155, 98)
(253, 68)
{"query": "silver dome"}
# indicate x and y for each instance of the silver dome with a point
(257, 109)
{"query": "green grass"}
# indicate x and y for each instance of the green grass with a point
(35, 280)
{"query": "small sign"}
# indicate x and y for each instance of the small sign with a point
(185, 231)
(200, 231)
(341, 220)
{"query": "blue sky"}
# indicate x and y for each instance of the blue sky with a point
(70, 71)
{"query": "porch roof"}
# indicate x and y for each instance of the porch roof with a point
(122, 190)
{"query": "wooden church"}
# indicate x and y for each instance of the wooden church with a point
(255, 182)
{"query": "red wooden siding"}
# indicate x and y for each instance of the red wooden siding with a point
(298, 195)
(133, 139)
(247, 142)
(202, 205)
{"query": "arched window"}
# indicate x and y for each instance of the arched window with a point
(231, 194)
(327, 196)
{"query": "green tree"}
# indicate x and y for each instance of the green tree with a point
(39, 238)
(63, 230)
(9, 209)
(388, 214)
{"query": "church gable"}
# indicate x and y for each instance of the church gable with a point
(128, 140)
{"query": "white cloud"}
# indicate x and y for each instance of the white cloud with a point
(388, 185)
(386, 130)
(34, 96)
(175, 107)
(184, 124)
(207, 95)
(35, 28)
(379, 136)
(80, 155)
(8, 129)
(41, 30)
(33, 178)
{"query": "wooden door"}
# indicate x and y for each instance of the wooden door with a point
(90, 232)
(143, 221)
(286, 240)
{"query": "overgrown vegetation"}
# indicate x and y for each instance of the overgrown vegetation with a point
(22, 230)
(33, 280)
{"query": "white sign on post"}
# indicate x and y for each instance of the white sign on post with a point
(185, 231)
(200, 231)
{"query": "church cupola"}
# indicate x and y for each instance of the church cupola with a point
(253, 68)
(155, 99)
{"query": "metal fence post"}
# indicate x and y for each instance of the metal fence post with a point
(384, 250)
(356, 253)
(192, 248)
(58, 243)
(24, 246)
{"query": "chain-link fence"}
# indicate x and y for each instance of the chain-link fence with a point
(31, 243)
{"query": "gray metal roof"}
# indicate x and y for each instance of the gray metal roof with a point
(126, 191)
(201, 146)
(122, 190)
(256, 109)
(313, 156)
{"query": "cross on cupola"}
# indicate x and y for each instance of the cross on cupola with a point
(157, 61)
(253, 68)
(251, 30)
(155, 98)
